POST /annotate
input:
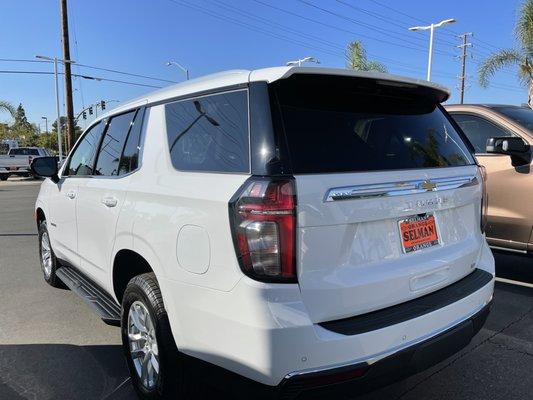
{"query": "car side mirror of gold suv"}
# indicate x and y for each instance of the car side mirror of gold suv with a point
(512, 146)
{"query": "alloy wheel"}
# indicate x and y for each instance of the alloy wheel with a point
(143, 346)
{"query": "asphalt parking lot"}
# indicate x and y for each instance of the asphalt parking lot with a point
(53, 347)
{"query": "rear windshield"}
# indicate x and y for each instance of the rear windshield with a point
(521, 115)
(22, 151)
(339, 124)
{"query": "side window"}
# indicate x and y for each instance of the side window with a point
(107, 163)
(82, 160)
(478, 130)
(130, 156)
(209, 133)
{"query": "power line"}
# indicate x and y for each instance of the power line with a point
(94, 78)
(90, 67)
(250, 26)
(271, 23)
(125, 73)
(384, 18)
(368, 26)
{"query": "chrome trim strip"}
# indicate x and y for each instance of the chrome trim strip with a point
(399, 188)
(381, 356)
(508, 249)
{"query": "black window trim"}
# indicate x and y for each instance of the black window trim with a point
(199, 95)
(106, 121)
(136, 111)
(66, 164)
(487, 120)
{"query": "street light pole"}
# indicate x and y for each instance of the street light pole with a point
(180, 67)
(55, 60)
(431, 29)
(58, 124)
(303, 60)
(45, 123)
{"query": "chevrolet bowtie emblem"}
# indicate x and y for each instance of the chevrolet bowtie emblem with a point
(428, 185)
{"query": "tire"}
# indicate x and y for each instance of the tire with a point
(3, 177)
(49, 263)
(143, 297)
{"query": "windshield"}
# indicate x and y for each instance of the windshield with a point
(331, 125)
(521, 115)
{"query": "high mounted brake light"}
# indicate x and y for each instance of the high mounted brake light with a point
(263, 220)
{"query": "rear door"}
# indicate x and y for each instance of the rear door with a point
(388, 195)
(101, 199)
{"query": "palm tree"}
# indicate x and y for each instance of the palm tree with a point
(356, 58)
(5, 106)
(521, 56)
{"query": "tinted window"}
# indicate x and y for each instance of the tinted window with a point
(209, 133)
(334, 125)
(82, 160)
(112, 144)
(130, 157)
(478, 130)
(22, 151)
(521, 115)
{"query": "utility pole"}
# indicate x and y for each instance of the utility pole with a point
(68, 78)
(463, 56)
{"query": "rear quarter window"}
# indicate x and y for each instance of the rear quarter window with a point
(209, 133)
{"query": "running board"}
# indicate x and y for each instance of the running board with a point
(102, 303)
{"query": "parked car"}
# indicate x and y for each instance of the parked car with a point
(18, 160)
(300, 227)
(510, 180)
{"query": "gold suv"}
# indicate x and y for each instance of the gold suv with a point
(501, 136)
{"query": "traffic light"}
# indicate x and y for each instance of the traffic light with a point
(90, 111)
(102, 104)
(84, 115)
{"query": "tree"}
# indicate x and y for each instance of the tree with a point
(357, 59)
(48, 141)
(21, 121)
(5, 106)
(63, 120)
(521, 56)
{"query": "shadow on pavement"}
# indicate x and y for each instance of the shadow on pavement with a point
(60, 371)
(518, 267)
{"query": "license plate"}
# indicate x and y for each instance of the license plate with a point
(13, 168)
(418, 232)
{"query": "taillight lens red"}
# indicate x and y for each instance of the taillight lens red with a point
(263, 223)
(484, 198)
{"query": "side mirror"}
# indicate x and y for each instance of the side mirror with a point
(512, 146)
(46, 167)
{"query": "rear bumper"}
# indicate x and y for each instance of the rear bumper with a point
(263, 332)
(18, 171)
(371, 374)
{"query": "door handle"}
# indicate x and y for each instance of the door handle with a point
(109, 201)
(71, 194)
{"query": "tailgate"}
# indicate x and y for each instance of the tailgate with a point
(352, 258)
(388, 194)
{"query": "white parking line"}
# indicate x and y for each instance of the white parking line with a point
(510, 281)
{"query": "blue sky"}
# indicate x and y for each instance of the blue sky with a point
(214, 35)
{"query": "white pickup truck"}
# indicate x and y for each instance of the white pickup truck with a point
(18, 160)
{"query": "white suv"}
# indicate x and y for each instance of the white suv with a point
(300, 227)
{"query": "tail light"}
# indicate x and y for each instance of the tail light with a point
(262, 215)
(484, 198)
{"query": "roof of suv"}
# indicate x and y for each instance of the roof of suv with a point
(236, 77)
